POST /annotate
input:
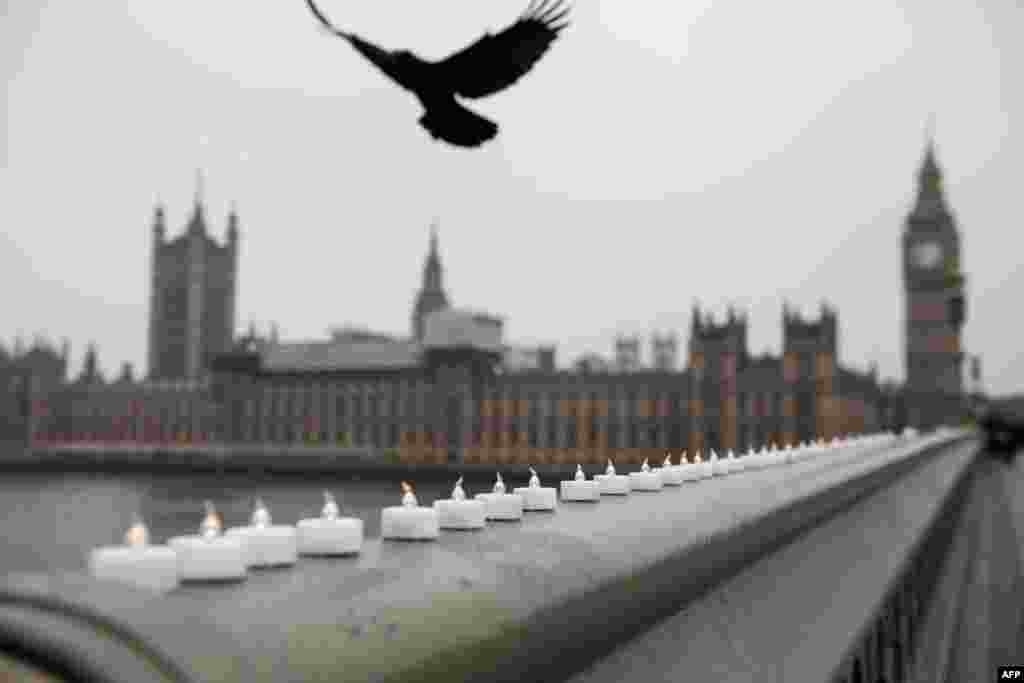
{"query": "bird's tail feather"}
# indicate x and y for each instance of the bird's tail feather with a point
(456, 125)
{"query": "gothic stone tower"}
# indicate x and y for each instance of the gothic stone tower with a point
(718, 354)
(934, 313)
(192, 300)
(809, 374)
(431, 296)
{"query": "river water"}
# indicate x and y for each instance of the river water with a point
(50, 522)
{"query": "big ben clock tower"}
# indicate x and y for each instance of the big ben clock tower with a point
(934, 313)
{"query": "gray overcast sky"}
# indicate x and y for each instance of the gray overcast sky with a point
(729, 151)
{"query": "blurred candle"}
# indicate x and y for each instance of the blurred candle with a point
(578, 489)
(136, 562)
(459, 513)
(500, 505)
(537, 497)
(671, 475)
(409, 522)
(266, 544)
(612, 484)
(330, 534)
(209, 556)
(645, 479)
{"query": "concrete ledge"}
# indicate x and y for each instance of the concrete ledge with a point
(796, 614)
(533, 601)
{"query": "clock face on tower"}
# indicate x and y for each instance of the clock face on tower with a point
(926, 255)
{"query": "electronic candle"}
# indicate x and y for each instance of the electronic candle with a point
(136, 562)
(459, 513)
(752, 459)
(579, 489)
(612, 484)
(690, 471)
(732, 463)
(718, 466)
(329, 534)
(266, 544)
(409, 522)
(537, 497)
(806, 451)
(645, 479)
(671, 475)
(704, 466)
(209, 556)
(500, 505)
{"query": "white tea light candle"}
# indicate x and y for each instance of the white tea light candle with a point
(209, 556)
(537, 497)
(718, 465)
(732, 463)
(645, 479)
(330, 534)
(136, 562)
(579, 489)
(671, 475)
(409, 522)
(459, 513)
(612, 484)
(703, 466)
(690, 471)
(266, 544)
(502, 506)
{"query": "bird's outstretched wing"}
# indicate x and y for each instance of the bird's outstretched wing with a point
(495, 62)
(385, 60)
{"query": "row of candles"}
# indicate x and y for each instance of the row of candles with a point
(217, 555)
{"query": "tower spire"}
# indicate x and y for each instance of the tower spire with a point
(930, 197)
(198, 224)
(199, 187)
(432, 269)
(431, 296)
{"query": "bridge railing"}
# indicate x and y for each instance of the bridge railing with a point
(859, 598)
(544, 599)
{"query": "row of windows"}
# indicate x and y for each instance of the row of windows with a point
(364, 403)
(184, 408)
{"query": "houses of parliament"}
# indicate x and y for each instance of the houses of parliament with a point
(453, 389)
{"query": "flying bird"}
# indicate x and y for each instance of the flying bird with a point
(488, 66)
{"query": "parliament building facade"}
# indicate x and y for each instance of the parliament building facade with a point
(454, 390)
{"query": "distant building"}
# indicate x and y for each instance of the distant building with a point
(47, 364)
(590, 363)
(26, 376)
(192, 300)
(528, 358)
(456, 390)
(447, 398)
(935, 304)
(664, 352)
(627, 353)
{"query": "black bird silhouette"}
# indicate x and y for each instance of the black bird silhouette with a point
(488, 66)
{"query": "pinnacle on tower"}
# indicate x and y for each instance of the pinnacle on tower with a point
(159, 224)
(432, 269)
(199, 187)
(233, 222)
(930, 198)
(431, 296)
(197, 224)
